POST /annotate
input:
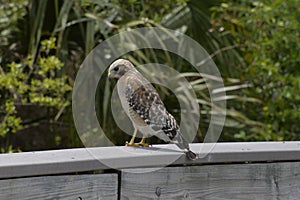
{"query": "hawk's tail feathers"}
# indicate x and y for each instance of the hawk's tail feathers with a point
(191, 155)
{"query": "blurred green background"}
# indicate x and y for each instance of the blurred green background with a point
(255, 44)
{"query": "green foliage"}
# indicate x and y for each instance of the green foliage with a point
(11, 12)
(10, 123)
(255, 45)
(270, 32)
(224, 51)
(40, 84)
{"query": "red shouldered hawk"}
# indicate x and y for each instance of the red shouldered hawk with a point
(144, 107)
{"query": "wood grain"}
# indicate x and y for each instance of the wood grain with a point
(218, 182)
(116, 157)
(73, 187)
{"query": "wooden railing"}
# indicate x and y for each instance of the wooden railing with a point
(258, 170)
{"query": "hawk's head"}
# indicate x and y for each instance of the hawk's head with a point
(118, 68)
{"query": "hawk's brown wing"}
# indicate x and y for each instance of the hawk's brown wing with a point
(145, 103)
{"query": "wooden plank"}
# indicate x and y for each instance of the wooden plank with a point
(85, 159)
(79, 187)
(219, 182)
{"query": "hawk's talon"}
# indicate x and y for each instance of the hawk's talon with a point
(131, 144)
(140, 144)
(143, 144)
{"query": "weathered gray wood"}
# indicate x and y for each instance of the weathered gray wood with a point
(268, 181)
(92, 187)
(85, 159)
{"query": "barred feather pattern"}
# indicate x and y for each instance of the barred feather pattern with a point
(144, 100)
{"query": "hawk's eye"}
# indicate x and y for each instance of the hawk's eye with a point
(116, 68)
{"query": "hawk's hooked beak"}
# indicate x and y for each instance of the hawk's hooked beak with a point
(109, 76)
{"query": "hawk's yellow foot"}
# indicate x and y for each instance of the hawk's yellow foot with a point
(132, 144)
(143, 143)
